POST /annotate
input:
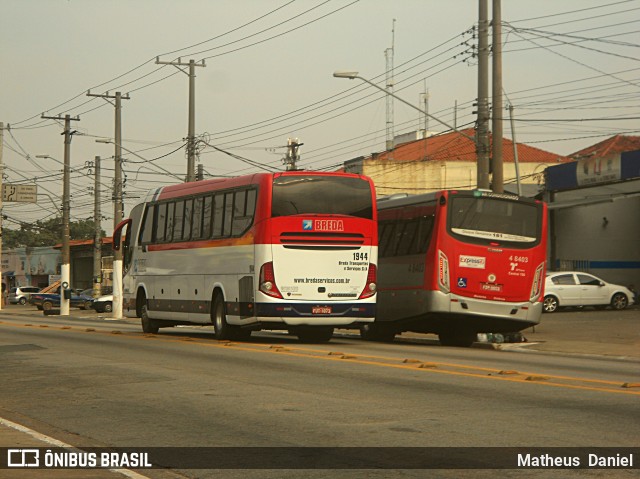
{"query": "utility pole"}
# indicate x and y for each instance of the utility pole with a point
(482, 131)
(1, 212)
(97, 236)
(191, 135)
(388, 53)
(293, 154)
(117, 199)
(65, 270)
(497, 167)
(515, 148)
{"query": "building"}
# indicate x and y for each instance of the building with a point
(40, 266)
(594, 205)
(447, 161)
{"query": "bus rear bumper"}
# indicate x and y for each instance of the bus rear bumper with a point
(525, 312)
(325, 314)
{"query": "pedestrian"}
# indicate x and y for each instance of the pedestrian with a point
(4, 294)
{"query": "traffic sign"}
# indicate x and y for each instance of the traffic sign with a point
(19, 193)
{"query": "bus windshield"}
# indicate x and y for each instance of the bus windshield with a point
(327, 195)
(482, 220)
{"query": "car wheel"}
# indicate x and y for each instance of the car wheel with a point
(47, 306)
(550, 304)
(619, 301)
(23, 301)
(108, 307)
(87, 304)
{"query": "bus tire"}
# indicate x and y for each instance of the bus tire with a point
(460, 340)
(149, 326)
(376, 332)
(550, 304)
(221, 328)
(314, 334)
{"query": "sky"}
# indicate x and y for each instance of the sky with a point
(570, 70)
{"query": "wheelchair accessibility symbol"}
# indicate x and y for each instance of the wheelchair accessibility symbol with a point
(462, 282)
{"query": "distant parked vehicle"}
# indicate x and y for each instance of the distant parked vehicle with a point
(49, 301)
(21, 294)
(574, 288)
(103, 304)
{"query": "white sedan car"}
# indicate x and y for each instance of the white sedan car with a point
(574, 288)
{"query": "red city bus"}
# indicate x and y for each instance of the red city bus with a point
(459, 263)
(292, 251)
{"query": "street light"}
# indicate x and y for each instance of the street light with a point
(353, 75)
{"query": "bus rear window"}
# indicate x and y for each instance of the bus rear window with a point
(315, 194)
(480, 220)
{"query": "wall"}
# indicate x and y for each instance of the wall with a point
(609, 249)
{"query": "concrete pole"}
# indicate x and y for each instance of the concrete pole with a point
(1, 198)
(482, 133)
(191, 136)
(97, 236)
(515, 149)
(65, 270)
(117, 211)
(497, 180)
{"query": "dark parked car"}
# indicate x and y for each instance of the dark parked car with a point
(49, 301)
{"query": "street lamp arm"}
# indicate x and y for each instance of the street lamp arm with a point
(352, 75)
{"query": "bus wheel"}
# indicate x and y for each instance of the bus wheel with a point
(314, 334)
(220, 327)
(376, 332)
(149, 325)
(461, 340)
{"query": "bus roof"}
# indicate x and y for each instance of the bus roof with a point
(214, 184)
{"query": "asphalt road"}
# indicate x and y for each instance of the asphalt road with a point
(90, 382)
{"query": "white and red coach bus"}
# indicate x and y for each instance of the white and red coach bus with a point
(458, 263)
(290, 251)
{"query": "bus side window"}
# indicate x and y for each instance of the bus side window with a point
(169, 231)
(161, 223)
(207, 217)
(406, 241)
(146, 233)
(196, 223)
(218, 213)
(228, 214)
(178, 221)
(242, 218)
(251, 203)
(423, 235)
(188, 210)
(386, 230)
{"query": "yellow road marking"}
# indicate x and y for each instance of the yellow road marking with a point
(382, 361)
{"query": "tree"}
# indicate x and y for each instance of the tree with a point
(47, 233)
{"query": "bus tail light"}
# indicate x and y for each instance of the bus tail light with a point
(371, 287)
(268, 281)
(536, 287)
(443, 271)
